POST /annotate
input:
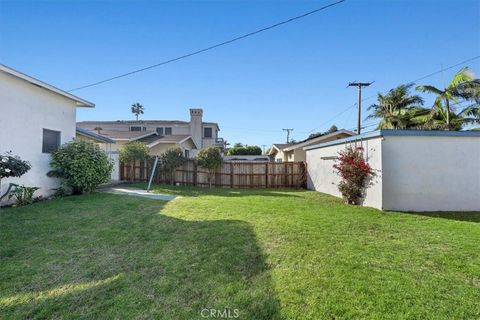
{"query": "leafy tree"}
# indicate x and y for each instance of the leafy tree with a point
(137, 109)
(81, 165)
(398, 109)
(461, 86)
(171, 160)
(239, 149)
(332, 129)
(210, 159)
(131, 152)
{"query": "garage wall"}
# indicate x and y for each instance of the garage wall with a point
(321, 176)
(431, 173)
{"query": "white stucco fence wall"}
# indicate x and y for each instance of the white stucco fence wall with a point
(431, 173)
(25, 110)
(322, 177)
(416, 170)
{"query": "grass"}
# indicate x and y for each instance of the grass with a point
(270, 254)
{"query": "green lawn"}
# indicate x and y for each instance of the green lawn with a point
(267, 253)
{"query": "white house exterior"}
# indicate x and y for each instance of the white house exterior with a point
(34, 116)
(416, 170)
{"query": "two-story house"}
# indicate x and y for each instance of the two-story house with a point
(160, 135)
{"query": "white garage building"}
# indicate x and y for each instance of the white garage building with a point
(416, 170)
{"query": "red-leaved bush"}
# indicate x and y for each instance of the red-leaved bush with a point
(355, 173)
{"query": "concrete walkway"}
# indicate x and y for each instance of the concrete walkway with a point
(138, 193)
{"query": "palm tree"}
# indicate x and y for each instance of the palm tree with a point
(462, 86)
(437, 120)
(137, 109)
(398, 109)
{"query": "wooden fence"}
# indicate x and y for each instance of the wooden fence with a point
(234, 174)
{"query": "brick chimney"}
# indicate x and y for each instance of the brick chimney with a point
(196, 127)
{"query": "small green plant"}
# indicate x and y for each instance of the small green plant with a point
(12, 166)
(355, 173)
(81, 165)
(23, 195)
(170, 160)
(131, 152)
(210, 159)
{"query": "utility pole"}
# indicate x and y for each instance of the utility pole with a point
(263, 148)
(359, 85)
(288, 134)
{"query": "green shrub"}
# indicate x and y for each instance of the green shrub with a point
(210, 159)
(240, 150)
(171, 160)
(131, 152)
(355, 173)
(81, 165)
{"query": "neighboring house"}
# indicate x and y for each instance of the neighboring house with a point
(106, 144)
(35, 119)
(281, 152)
(276, 152)
(160, 135)
(415, 170)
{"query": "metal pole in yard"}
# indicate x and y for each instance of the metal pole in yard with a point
(152, 174)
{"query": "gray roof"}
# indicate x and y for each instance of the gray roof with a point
(318, 139)
(385, 133)
(145, 122)
(156, 139)
(94, 135)
(127, 135)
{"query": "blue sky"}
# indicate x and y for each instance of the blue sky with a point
(294, 76)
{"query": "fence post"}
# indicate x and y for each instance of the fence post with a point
(231, 175)
(195, 173)
(266, 175)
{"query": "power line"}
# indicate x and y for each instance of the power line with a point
(421, 78)
(211, 47)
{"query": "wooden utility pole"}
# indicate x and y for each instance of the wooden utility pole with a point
(359, 85)
(288, 134)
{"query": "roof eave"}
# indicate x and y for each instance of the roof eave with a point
(79, 102)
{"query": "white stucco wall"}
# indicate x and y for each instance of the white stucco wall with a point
(431, 173)
(25, 110)
(322, 177)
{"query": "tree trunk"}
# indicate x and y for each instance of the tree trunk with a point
(132, 172)
(447, 106)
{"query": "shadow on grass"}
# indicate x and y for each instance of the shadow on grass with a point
(110, 256)
(192, 191)
(459, 216)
